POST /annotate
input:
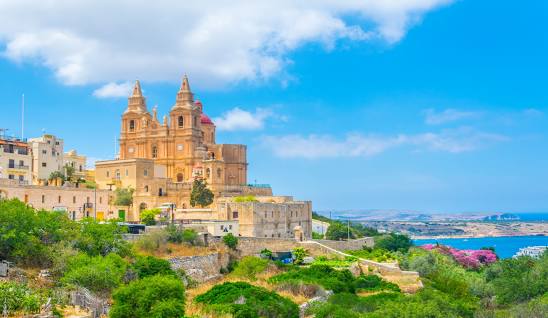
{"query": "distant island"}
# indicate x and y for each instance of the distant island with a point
(502, 217)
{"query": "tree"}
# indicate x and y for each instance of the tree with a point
(101, 238)
(231, 241)
(338, 231)
(69, 172)
(149, 216)
(394, 242)
(156, 296)
(299, 254)
(200, 194)
(56, 175)
(124, 196)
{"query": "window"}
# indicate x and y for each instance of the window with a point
(100, 200)
(160, 192)
(146, 188)
(11, 176)
(145, 173)
(208, 173)
(132, 125)
(230, 227)
(108, 174)
(195, 123)
(180, 177)
(11, 163)
(26, 198)
(44, 164)
(265, 215)
(74, 199)
(127, 172)
(21, 163)
(80, 168)
(44, 152)
(21, 178)
(154, 152)
(235, 215)
(180, 147)
(219, 172)
(181, 122)
(57, 143)
(59, 199)
(117, 174)
(43, 198)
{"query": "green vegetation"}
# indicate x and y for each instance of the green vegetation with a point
(89, 272)
(244, 300)
(177, 235)
(123, 196)
(148, 217)
(17, 297)
(317, 236)
(394, 242)
(249, 266)
(299, 254)
(156, 296)
(375, 254)
(200, 194)
(146, 266)
(245, 198)
(335, 262)
(230, 241)
(342, 230)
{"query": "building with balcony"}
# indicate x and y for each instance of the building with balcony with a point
(77, 162)
(15, 160)
(47, 157)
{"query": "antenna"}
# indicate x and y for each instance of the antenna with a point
(23, 117)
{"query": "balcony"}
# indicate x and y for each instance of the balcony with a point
(18, 167)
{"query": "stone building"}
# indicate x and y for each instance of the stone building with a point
(160, 160)
(76, 202)
(15, 160)
(76, 161)
(47, 157)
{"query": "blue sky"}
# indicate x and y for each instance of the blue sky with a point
(438, 106)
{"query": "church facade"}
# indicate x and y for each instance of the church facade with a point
(159, 160)
(183, 142)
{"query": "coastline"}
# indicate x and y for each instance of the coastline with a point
(468, 236)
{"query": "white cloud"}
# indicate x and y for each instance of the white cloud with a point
(114, 90)
(357, 145)
(239, 119)
(215, 42)
(448, 115)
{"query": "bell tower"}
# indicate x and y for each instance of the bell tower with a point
(135, 119)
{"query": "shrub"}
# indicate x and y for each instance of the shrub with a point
(266, 253)
(96, 273)
(394, 242)
(156, 296)
(16, 297)
(146, 266)
(374, 282)
(299, 254)
(317, 236)
(249, 266)
(244, 300)
(245, 198)
(231, 241)
(152, 241)
(325, 276)
(148, 217)
(101, 238)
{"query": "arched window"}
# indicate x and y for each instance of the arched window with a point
(195, 124)
(180, 177)
(142, 206)
(154, 152)
(181, 121)
(219, 172)
(146, 188)
(208, 173)
(132, 125)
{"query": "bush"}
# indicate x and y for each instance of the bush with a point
(152, 241)
(97, 273)
(299, 254)
(101, 238)
(245, 198)
(317, 236)
(325, 276)
(148, 217)
(244, 300)
(374, 282)
(231, 241)
(376, 254)
(338, 231)
(146, 266)
(394, 242)
(151, 297)
(249, 266)
(16, 297)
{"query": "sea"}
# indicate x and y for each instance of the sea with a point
(505, 247)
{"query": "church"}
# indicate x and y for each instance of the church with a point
(159, 160)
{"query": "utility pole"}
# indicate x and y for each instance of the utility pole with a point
(348, 229)
(23, 117)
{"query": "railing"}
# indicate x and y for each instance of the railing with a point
(259, 185)
(22, 167)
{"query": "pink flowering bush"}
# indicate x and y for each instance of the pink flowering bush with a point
(471, 259)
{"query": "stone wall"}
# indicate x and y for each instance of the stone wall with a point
(349, 245)
(201, 267)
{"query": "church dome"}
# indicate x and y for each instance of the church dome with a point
(205, 120)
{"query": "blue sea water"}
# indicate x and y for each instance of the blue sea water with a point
(505, 247)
